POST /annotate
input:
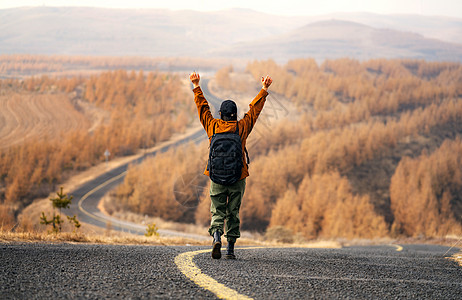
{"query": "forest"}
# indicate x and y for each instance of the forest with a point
(129, 111)
(366, 149)
(373, 150)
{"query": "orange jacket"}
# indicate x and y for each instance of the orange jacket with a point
(245, 124)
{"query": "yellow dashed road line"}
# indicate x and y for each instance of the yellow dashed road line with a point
(398, 247)
(457, 258)
(185, 263)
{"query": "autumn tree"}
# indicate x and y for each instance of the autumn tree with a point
(169, 185)
(324, 207)
(140, 111)
(426, 193)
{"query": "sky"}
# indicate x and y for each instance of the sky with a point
(280, 7)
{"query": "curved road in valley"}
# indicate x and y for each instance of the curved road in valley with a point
(87, 196)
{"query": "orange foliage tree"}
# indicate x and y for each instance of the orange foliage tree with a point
(351, 113)
(169, 185)
(354, 113)
(426, 193)
(324, 207)
(142, 109)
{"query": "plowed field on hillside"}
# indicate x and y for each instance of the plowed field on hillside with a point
(26, 116)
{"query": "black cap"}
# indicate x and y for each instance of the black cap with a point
(228, 108)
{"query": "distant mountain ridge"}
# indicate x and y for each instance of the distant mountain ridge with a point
(235, 33)
(338, 38)
(447, 29)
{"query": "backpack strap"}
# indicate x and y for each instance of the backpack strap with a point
(245, 148)
(210, 137)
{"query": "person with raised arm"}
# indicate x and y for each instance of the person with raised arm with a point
(227, 165)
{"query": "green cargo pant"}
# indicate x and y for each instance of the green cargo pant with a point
(226, 202)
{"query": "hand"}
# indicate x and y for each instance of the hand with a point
(266, 82)
(195, 78)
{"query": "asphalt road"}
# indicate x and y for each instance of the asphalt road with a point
(38, 271)
(87, 196)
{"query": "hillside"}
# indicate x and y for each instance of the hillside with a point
(52, 128)
(24, 116)
(119, 32)
(231, 33)
(373, 150)
(446, 29)
(336, 39)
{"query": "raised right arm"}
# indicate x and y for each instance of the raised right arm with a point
(203, 108)
(256, 106)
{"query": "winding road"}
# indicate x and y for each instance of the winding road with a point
(88, 196)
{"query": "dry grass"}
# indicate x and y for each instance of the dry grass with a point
(25, 116)
(79, 237)
(129, 239)
(89, 234)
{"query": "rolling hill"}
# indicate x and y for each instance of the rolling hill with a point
(120, 32)
(230, 33)
(336, 38)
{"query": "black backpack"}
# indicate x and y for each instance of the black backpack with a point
(225, 157)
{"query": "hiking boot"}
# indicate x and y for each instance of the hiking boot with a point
(216, 250)
(230, 253)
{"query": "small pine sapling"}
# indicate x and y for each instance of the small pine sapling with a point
(61, 201)
(73, 220)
